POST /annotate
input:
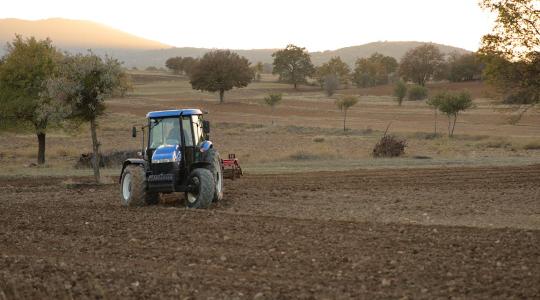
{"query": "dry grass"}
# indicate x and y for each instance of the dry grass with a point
(308, 128)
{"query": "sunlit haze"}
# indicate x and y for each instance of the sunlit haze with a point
(243, 24)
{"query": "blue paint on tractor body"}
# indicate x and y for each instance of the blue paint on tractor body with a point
(166, 153)
(173, 113)
(205, 146)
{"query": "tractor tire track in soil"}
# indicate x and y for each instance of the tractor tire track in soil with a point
(419, 233)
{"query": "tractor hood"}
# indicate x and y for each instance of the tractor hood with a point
(166, 154)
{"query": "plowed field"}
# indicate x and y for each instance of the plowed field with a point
(419, 233)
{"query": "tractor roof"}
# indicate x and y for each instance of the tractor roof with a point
(174, 113)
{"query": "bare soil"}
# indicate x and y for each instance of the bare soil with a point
(373, 234)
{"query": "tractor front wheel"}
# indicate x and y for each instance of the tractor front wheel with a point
(202, 187)
(133, 188)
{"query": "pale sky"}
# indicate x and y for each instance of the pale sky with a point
(245, 24)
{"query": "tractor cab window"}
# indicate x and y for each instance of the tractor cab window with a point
(188, 133)
(164, 131)
(198, 129)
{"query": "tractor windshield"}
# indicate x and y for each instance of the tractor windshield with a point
(166, 131)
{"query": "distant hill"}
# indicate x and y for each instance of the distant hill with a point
(78, 36)
(75, 34)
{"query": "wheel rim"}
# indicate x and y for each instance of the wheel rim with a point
(126, 186)
(219, 183)
(192, 196)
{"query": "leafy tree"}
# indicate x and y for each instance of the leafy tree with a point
(335, 66)
(220, 71)
(512, 52)
(175, 64)
(400, 91)
(84, 83)
(187, 64)
(272, 100)
(152, 69)
(344, 104)
(257, 71)
(421, 63)
(517, 29)
(451, 104)
(374, 70)
(417, 92)
(330, 84)
(24, 71)
(293, 64)
(466, 67)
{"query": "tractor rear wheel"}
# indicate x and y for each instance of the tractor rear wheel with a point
(201, 182)
(133, 187)
(212, 156)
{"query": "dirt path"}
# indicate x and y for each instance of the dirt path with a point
(311, 235)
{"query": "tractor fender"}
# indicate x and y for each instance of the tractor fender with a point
(131, 161)
(200, 164)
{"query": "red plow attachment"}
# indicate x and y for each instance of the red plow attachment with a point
(231, 167)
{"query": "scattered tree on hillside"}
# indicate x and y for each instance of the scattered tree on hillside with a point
(24, 71)
(272, 100)
(421, 63)
(374, 70)
(344, 104)
(512, 52)
(330, 84)
(293, 64)
(257, 71)
(220, 71)
(465, 67)
(417, 92)
(400, 91)
(451, 104)
(84, 82)
(174, 64)
(336, 67)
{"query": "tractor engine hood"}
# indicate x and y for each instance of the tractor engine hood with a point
(166, 154)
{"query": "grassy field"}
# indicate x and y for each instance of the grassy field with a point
(307, 133)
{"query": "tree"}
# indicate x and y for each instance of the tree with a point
(85, 81)
(330, 84)
(517, 29)
(272, 100)
(188, 63)
(220, 71)
(374, 70)
(451, 104)
(293, 64)
(23, 74)
(336, 67)
(344, 104)
(465, 67)
(512, 52)
(400, 91)
(257, 71)
(421, 63)
(175, 64)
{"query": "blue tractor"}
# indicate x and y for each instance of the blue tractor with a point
(178, 156)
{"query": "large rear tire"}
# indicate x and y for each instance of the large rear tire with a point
(212, 156)
(202, 182)
(133, 188)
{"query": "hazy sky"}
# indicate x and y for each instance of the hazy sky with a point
(245, 24)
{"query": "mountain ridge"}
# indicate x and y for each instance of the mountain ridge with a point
(139, 52)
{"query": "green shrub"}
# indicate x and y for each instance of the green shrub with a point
(532, 146)
(417, 92)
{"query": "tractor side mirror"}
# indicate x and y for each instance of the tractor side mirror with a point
(134, 132)
(206, 126)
